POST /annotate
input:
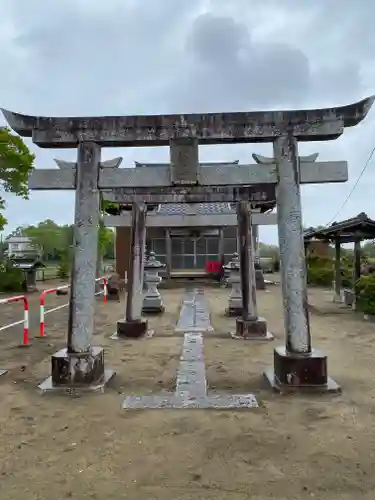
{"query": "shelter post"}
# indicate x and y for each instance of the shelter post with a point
(338, 278)
(356, 270)
(168, 251)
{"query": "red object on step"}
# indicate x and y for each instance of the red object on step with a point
(213, 267)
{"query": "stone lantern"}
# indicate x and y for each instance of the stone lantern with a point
(152, 300)
(232, 270)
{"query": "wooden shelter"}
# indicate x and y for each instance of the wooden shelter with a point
(354, 230)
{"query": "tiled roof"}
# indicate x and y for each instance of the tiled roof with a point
(194, 209)
(347, 230)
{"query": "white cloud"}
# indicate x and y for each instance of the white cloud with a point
(81, 57)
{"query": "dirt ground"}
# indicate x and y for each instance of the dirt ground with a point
(292, 447)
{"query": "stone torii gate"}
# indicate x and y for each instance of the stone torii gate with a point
(296, 365)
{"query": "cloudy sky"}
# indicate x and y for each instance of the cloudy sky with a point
(86, 57)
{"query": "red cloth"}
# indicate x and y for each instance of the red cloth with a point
(213, 267)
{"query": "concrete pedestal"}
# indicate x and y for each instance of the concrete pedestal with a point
(300, 373)
(152, 300)
(132, 329)
(152, 307)
(77, 371)
(252, 329)
(113, 295)
(233, 311)
(232, 270)
(259, 280)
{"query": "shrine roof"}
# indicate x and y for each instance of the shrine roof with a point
(207, 128)
(347, 231)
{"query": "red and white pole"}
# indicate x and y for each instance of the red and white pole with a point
(25, 321)
(105, 290)
(19, 298)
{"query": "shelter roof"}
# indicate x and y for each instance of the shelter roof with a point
(27, 264)
(347, 231)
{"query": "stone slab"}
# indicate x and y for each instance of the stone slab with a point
(193, 315)
(149, 334)
(47, 385)
(3, 372)
(191, 381)
(331, 387)
(269, 336)
(191, 376)
(216, 402)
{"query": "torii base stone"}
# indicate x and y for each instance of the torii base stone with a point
(77, 372)
(136, 329)
(251, 329)
(300, 373)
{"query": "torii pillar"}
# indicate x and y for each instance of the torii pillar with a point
(134, 325)
(249, 326)
(81, 365)
(296, 365)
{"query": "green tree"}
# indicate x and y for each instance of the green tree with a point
(50, 236)
(16, 163)
(106, 241)
(57, 241)
(269, 251)
(369, 249)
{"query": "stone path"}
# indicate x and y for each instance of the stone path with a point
(194, 316)
(191, 384)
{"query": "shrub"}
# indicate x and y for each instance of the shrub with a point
(365, 289)
(347, 277)
(319, 276)
(319, 270)
(63, 269)
(316, 261)
(11, 278)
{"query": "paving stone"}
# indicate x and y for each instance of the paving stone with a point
(191, 382)
(174, 401)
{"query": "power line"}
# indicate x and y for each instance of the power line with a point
(353, 188)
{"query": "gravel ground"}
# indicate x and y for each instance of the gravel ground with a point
(292, 447)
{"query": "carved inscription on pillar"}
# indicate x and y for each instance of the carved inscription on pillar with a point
(184, 161)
